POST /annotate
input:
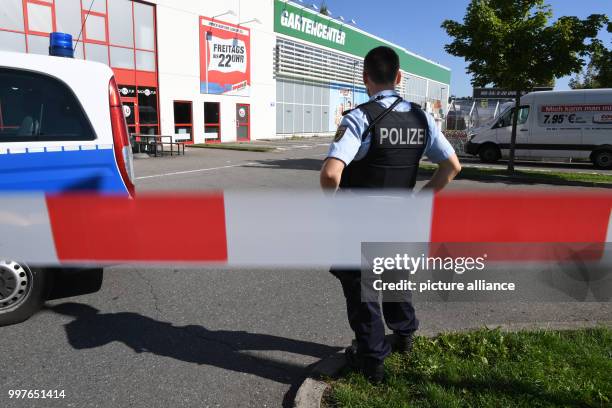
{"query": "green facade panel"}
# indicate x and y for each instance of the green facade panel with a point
(298, 23)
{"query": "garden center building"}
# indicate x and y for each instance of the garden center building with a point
(232, 70)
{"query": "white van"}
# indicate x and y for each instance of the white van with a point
(551, 125)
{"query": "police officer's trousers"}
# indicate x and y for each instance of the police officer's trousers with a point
(365, 317)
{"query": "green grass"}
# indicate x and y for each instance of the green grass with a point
(529, 176)
(247, 147)
(490, 368)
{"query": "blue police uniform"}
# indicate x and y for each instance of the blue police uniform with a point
(350, 147)
(371, 165)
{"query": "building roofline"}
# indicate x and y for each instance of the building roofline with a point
(298, 5)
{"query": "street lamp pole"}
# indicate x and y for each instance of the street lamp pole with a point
(353, 93)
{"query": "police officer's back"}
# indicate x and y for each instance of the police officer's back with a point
(378, 145)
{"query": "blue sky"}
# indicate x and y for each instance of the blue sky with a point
(415, 25)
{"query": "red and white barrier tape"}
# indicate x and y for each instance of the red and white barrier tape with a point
(286, 229)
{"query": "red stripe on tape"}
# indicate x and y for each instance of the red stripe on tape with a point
(560, 226)
(148, 228)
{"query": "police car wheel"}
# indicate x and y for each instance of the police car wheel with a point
(22, 291)
(489, 153)
(603, 159)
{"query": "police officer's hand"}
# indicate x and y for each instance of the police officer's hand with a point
(446, 172)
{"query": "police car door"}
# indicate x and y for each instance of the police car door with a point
(47, 142)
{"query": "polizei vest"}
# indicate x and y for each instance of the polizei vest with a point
(397, 145)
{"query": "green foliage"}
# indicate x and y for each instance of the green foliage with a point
(512, 45)
(598, 73)
(491, 368)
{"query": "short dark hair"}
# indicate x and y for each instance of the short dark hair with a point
(381, 64)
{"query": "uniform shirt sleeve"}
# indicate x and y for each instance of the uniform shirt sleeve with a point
(347, 142)
(438, 147)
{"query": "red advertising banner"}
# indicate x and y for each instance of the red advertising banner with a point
(225, 58)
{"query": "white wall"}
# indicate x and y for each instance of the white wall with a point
(179, 64)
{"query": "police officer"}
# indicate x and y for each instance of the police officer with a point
(378, 145)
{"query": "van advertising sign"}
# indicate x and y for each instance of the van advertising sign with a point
(225, 58)
(594, 116)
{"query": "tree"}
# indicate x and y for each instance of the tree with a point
(323, 9)
(598, 73)
(511, 44)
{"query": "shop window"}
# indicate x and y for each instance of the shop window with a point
(98, 6)
(68, 17)
(38, 44)
(122, 58)
(40, 17)
(120, 24)
(212, 121)
(12, 41)
(145, 61)
(11, 15)
(144, 26)
(183, 122)
(95, 28)
(96, 52)
(79, 50)
(147, 110)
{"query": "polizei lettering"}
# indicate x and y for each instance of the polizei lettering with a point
(402, 136)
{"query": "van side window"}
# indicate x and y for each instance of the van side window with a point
(36, 108)
(506, 119)
(523, 115)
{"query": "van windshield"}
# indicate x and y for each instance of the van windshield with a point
(36, 107)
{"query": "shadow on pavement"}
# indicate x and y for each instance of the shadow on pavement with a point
(192, 344)
(289, 164)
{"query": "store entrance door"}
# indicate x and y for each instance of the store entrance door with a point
(243, 120)
(130, 112)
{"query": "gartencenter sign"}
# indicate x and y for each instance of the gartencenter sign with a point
(314, 28)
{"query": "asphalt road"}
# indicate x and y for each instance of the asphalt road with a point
(214, 337)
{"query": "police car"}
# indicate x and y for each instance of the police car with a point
(62, 130)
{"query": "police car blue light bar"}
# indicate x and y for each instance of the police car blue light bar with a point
(60, 45)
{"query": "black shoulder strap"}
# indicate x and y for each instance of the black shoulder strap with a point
(377, 119)
(346, 112)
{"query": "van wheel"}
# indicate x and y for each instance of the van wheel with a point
(22, 291)
(489, 153)
(602, 159)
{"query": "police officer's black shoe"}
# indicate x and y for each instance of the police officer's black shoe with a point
(401, 344)
(373, 370)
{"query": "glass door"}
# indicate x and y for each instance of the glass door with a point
(130, 112)
(243, 119)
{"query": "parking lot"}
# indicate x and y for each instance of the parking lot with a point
(216, 337)
(293, 164)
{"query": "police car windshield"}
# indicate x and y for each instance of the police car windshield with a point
(35, 107)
